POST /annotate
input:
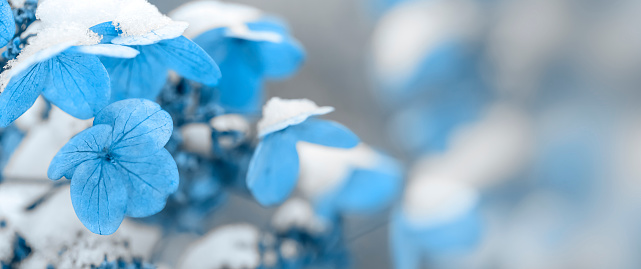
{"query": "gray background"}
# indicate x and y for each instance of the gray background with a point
(336, 36)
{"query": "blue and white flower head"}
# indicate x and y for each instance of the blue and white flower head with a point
(437, 216)
(234, 246)
(61, 63)
(248, 45)
(273, 170)
(123, 158)
(422, 42)
(344, 181)
(140, 25)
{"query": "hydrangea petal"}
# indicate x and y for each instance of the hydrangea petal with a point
(189, 60)
(21, 92)
(107, 30)
(324, 132)
(278, 59)
(83, 147)
(7, 23)
(130, 77)
(140, 127)
(368, 191)
(99, 196)
(273, 170)
(80, 84)
(151, 180)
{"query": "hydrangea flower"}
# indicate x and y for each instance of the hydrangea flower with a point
(7, 23)
(119, 167)
(437, 216)
(248, 46)
(61, 63)
(273, 169)
(348, 181)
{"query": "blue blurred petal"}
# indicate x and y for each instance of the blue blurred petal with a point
(98, 196)
(107, 30)
(21, 92)
(140, 127)
(151, 180)
(7, 23)
(83, 147)
(368, 191)
(79, 84)
(273, 169)
(324, 132)
(189, 60)
(130, 78)
(278, 59)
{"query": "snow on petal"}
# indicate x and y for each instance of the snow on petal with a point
(280, 113)
(232, 246)
(203, 16)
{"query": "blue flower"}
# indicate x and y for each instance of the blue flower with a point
(119, 167)
(437, 218)
(69, 75)
(7, 23)
(143, 76)
(248, 47)
(273, 169)
(360, 180)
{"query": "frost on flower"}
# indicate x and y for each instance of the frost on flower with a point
(248, 46)
(60, 62)
(356, 180)
(273, 169)
(232, 246)
(119, 167)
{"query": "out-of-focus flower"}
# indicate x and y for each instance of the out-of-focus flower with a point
(119, 167)
(273, 170)
(248, 46)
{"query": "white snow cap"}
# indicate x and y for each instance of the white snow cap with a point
(414, 29)
(232, 246)
(63, 230)
(323, 169)
(436, 201)
(197, 138)
(206, 15)
(280, 113)
(484, 152)
(297, 213)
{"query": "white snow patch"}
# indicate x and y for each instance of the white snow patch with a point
(436, 201)
(203, 16)
(485, 152)
(230, 122)
(232, 246)
(197, 138)
(323, 169)
(32, 157)
(280, 113)
(414, 29)
(297, 213)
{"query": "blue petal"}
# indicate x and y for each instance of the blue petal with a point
(189, 60)
(107, 30)
(273, 170)
(79, 84)
(7, 23)
(281, 59)
(130, 78)
(324, 132)
(367, 191)
(152, 179)
(140, 127)
(21, 92)
(99, 196)
(83, 147)
(406, 254)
